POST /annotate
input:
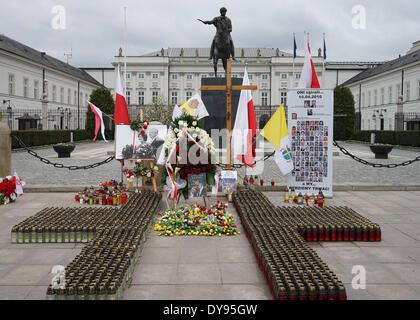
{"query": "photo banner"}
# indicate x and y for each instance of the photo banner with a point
(310, 124)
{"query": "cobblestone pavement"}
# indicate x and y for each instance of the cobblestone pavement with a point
(346, 170)
(207, 268)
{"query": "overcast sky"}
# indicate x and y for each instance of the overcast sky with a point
(95, 28)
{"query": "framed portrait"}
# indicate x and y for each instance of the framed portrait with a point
(197, 185)
(130, 144)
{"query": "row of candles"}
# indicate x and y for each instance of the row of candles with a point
(305, 199)
(105, 266)
(255, 180)
(115, 196)
(292, 269)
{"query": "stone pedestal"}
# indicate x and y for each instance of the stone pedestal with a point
(215, 102)
(5, 150)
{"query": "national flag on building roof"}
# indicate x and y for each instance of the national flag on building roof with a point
(294, 46)
(308, 77)
(245, 127)
(325, 49)
(121, 112)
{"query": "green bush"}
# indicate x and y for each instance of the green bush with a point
(102, 98)
(45, 137)
(343, 105)
(401, 138)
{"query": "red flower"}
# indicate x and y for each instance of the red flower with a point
(142, 132)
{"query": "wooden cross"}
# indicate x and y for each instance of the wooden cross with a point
(228, 87)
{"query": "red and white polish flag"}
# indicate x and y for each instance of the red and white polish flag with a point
(120, 113)
(245, 127)
(99, 121)
(308, 77)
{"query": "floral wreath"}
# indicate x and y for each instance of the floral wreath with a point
(140, 170)
(195, 130)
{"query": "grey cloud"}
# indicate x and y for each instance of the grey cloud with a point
(95, 27)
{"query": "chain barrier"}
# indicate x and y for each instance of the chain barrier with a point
(60, 165)
(238, 166)
(221, 165)
(374, 165)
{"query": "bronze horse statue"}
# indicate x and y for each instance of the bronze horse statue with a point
(222, 45)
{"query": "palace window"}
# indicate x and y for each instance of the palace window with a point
(141, 75)
(418, 88)
(68, 96)
(128, 75)
(155, 95)
(363, 100)
(128, 95)
(234, 75)
(264, 76)
(54, 93)
(174, 77)
(75, 98)
(62, 95)
(297, 75)
(189, 76)
(369, 102)
(375, 97)
(407, 91)
(25, 87)
(155, 75)
(283, 98)
(382, 96)
(250, 76)
(36, 89)
(284, 75)
(141, 98)
(11, 84)
(174, 97)
(264, 98)
(203, 76)
(390, 94)
(398, 91)
(188, 95)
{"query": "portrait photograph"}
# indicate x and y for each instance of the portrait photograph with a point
(130, 144)
(197, 185)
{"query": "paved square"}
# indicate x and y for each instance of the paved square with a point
(225, 268)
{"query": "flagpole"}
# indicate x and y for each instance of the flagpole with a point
(125, 53)
(293, 77)
(323, 61)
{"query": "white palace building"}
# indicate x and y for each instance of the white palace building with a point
(173, 75)
(39, 91)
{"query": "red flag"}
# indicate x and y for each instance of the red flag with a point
(245, 127)
(120, 113)
(308, 77)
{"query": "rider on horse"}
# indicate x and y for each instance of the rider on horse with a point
(223, 28)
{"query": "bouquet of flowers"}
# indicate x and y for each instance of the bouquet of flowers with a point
(197, 221)
(141, 171)
(7, 190)
(196, 136)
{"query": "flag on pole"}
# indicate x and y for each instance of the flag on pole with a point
(325, 49)
(245, 127)
(308, 77)
(195, 107)
(120, 113)
(294, 47)
(177, 112)
(276, 132)
(99, 121)
(19, 185)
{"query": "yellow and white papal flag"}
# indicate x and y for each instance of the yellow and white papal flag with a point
(276, 132)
